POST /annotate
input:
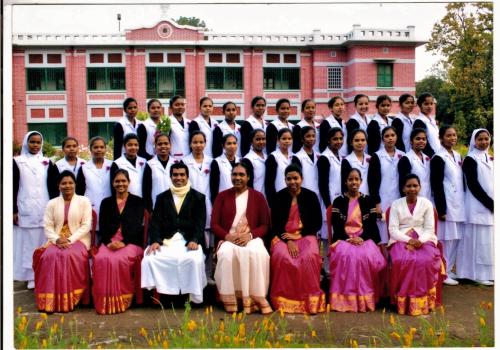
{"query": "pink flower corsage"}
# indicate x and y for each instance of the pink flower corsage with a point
(368, 159)
(460, 162)
(81, 163)
(400, 156)
(176, 161)
(45, 162)
(108, 168)
(491, 158)
(427, 158)
(207, 171)
(141, 163)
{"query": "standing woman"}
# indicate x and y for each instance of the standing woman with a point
(355, 259)
(306, 158)
(403, 122)
(295, 258)
(132, 163)
(156, 177)
(34, 178)
(356, 159)
(204, 122)
(61, 265)
(126, 125)
(308, 108)
(416, 162)
(117, 265)
(93, 178)
(179, 135)
(276, 164)
(329, 182)
(221, 167)
(255, 121)
(476, 248)
(379, 121)
(228, 126)
(358, 120)
(427, 121)
(336, 105)
(148, 130)
(283, 110)
(256, 161)
(383, 178)
(70, 161)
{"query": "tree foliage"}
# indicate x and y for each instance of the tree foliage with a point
(464, 36)
(191, 21)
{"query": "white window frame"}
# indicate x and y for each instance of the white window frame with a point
(105, 64)
(224, 62)
(330, 68)
(45, 63)
(165, 63)
(47, 119)
(282, 59)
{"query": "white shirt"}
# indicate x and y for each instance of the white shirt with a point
(432, 131)
(135, 173)
(363, 168)
(62, 164)
(259, 169)
(208, 131)
(421, 168)
(179, 138)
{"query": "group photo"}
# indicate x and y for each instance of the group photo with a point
(249, 192)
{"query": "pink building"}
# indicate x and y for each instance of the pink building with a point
(67, 84)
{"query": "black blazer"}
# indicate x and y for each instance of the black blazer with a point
(309, 209)
(369, 218)
(190, 221)
(131, 219)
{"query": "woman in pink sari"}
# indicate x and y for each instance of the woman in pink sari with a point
(295, 259)
(415, 259)
(61, 266)
(355, 258)
(117, 264)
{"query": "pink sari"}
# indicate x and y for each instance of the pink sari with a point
(355, 270)
(61, 275)
(413, 276)
(295, 282)
(117, 275)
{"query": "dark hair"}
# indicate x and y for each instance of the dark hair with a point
(404, 97)
(415, 132)
(443, 129)
(153, 100)
(64, 174)
(124, 172)
(305, 130)
(358, 97)
(283, 131)
(257, 99)
(173, 99)
(179, 165)
(255, 131)
(386, 129)
(130, 136)
(69, 138)
(422, 97)
(203, 99)
(356, 170)
(95, 139)
(161, 134)
(247, 168)
(280, 102)
(292, 168)
(128, 101)
(333, 131)
(304, 103)
(334, 99)
(355, 132)
(224, 106)
(197, 132)
(225, 137)
(381, 99)
(411, 176)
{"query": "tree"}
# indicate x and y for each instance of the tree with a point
(191, 21)
(464, 36)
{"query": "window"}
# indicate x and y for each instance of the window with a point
(105, 78)
(53, 133)
(384, 75)
(164, 82)
(45, 79)
(103, 129)
(224, 78)
(335, 76)
(281, 78)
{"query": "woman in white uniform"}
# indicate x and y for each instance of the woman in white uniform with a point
(447, 183)
(228, 126)
(416, 162)
(336, 105)
(256, 160)
(307, 159)
(132, 163)
(356, 159)
(34, 178)
(358, 120)
(221, 167)
(276, 163)
(70, 161)
(308, 108)
(403, 122)
(281, 122)
(147, 130)
(204, 122)
(379, 121)
(427, 121)
(179, 132)
(126, 125)
(255, 121)
(476, 248)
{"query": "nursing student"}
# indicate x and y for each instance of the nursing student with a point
(281, 122)
(222, 166)
(255, 160)
(336, 105)
(360, 119)
(276, 164)
(227, 126)
(205, 123)
(308, 108)
(356, 159)
(379, 121)
(149, 129)
(403, 122)
(255, 121)
(70, 161)
(128, 124)
(179, 132)
(307, 158)
(427, 121)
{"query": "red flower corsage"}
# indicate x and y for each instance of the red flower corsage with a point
(45, 162)
(491, 158)
(207, 171)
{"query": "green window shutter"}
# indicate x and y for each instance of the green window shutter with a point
(103, 129)
(384, 75)
(105, 78)
(164, 82)
(281, 78)
(45, 79)
(53, 133)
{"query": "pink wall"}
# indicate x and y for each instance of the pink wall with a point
(135, 76)
(20, 126)
(76, 92)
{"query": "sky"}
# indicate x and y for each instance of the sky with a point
(293, 19)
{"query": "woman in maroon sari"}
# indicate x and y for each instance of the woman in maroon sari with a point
(117, 264)
(61, 266)
(295, 259)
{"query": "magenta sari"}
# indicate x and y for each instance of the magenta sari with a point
(355, 270)
(295, 282)
(413, 276)
(117, 275)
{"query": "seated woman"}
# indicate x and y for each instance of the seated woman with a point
(117, 264)
(295, 258)
(355, 259)
(61, 265)
(415, 259)
(239, 219)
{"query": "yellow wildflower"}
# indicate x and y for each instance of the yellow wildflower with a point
(441, 309)
(19, 310)
(164, 345)
(216, 337)
(53, 329)
(227, 339)
(150, 342)
(236, 340)
(44, 343)
(234, 316)
(482, 322)
(251, 343)
(277, 344)
(241, 331)
(90, 335)
(282, 313)
(489, 306)
(207, 311)
(143, 332)
(441, 338)
(395, 335)
(407, 339)
(240, 316)
(191, 326)
(38, 325)
(354, 344)
(288, 337)
(268, 344)
(99, 346)
(430, 331)
(271, 326)
(221, 326)
(62, 319)
(391, 320)
(24, 343)
(306, 345)
(306, 317)
(313, 333)
(413, 330)
(44, 316)
(211, 309)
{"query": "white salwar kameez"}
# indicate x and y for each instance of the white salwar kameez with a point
(243, 272)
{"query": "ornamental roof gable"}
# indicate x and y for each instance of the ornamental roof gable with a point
(165, 30)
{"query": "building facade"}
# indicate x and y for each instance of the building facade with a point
(74, 85)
